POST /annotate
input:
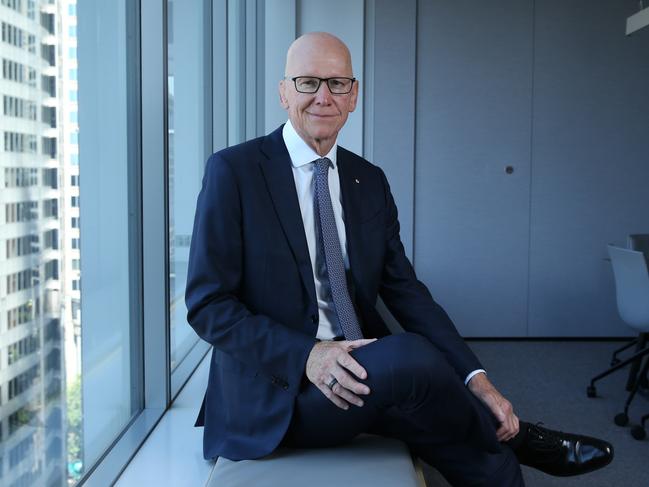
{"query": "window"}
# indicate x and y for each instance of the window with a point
(189, 146)
(74, 138)
(74, 222)
(74, 201)
(76, 285)
(74, 117)
(51, 239)
(75, 243)
(74, 180)
(74, 159)
(73, 74)
(72, 31)
(73, 95)
(72, 10)
(72, 53)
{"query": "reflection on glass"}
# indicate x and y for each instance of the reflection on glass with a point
(40, 322)
(188, 148)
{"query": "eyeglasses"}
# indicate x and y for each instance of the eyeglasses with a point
(311, 84)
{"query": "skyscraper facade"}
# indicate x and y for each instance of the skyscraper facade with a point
(38, 234)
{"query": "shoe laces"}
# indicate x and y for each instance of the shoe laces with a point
(543, 439)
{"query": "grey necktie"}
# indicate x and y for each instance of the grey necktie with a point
(330, 243)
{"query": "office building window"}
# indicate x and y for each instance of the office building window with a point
(21, 315)
(73, 74)
(51, 178)
(74, 222)
(74, 201)
(19, 246)
(74, 159)
(19, 281)
(75, 243)
(23, 211)
(20, 177)
(51, 208)
(76, 284)
(72, 95)
(74, 138)
(51, 239)
(74, 180)
(22, 348)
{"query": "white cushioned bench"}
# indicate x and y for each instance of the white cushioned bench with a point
(367, 461)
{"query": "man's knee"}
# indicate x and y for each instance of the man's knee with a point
(407, 356)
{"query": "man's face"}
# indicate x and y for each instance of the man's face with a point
(318, 117)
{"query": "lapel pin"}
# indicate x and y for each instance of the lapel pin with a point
(357, 181)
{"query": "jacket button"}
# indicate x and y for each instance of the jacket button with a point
(314, 318)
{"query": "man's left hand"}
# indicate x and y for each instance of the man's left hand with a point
(501, 408)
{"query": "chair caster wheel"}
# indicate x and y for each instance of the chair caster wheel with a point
(591, 391)
(638, 433)
(621, 419)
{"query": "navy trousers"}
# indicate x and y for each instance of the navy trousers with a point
(418, 398)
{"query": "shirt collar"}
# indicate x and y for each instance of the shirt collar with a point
(299, 151)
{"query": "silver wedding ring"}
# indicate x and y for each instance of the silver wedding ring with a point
(332, 383)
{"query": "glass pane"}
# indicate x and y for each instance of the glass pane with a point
(111, 369)
(189, 146)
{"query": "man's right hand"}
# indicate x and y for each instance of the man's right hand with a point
(330, 360)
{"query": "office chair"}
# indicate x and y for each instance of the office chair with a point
(639, 242)
(632, 291)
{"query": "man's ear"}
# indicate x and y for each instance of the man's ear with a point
(354, 97)
(282, 95)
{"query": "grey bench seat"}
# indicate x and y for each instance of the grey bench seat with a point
(367, 461)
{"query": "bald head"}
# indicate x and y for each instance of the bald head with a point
(320, 48)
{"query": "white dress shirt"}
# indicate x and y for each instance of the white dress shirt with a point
(302, 158)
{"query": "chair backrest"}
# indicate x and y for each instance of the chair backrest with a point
(640, 242)
(631, 286)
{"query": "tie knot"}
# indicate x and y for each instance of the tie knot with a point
(323, 164)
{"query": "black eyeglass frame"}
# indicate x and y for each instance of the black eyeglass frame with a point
(320, 80)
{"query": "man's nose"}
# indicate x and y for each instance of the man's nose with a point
(323, 95)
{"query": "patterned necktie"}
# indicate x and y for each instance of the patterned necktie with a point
(333, 253)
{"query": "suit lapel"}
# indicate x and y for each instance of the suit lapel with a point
(281, 186)
(350, 191)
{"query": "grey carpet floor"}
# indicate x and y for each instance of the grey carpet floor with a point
(546, 382)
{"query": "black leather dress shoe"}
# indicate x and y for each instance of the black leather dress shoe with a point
(562, 454)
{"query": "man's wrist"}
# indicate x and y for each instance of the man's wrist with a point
(474, 374)
(479, 382)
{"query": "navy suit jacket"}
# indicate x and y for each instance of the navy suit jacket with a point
(250, 290)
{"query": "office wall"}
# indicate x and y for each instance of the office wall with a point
(553, 90)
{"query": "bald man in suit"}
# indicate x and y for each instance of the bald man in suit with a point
(294, 238)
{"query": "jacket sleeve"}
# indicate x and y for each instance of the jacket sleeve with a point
(409, 300)
(214, 282)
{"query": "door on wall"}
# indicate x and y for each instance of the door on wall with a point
(472, 173)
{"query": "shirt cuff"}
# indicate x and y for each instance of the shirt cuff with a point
(470, 376)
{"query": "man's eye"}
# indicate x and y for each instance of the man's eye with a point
(308, 83)
(337, 82)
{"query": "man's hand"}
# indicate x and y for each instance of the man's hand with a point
(331, 360)
(502, 409)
